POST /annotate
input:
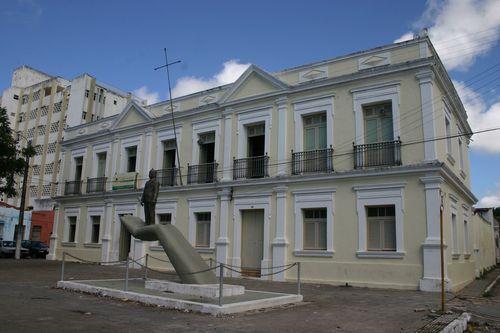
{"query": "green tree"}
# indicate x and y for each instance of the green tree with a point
(11, 158)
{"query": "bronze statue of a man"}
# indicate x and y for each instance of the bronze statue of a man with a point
(149, 197)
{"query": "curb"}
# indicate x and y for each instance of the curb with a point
(487, 291)
(458, 325)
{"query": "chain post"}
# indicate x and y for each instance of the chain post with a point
(146, 267)
(221, 284)
(126, 274)
(298, 278)
(62, 265)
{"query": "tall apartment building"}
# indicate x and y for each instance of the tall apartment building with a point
(334, 164)
(40, 106)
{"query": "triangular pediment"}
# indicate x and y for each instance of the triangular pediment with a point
(374, 60)
(253, 82)
(132, 114)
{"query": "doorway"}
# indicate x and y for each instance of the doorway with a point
(125, 240)
(252, 241)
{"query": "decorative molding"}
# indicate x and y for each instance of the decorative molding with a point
(380, 254)
(313, 73)
(207, 99)
(312, 253)
(374, 60)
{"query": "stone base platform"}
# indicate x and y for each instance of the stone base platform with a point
(203, 290)
(250, 300)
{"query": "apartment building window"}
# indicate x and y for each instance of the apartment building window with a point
(84, 115)
(381, 225)
(454, 234)
(16, 97)
(78, 167)
(57, 107)
(51, 148)
(21, 117)
(25, 99)
(41, 130)
(38, 149)
(101, 164)
(96, 225)
(36, 170)
(36, 95)
(54, 127)
(33, 113)
(71, 229)
(31, 132)
(203, 229)
(49, 168)
(315, 132)
(34, 191)
(314, 228)
(87, 93)
(165, 218)
(114, 102)
(131, 158)
(378, 123)
(46, 190)
(44, 110)
(448, 135)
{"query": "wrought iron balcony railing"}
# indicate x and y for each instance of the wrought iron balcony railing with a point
(251, 167)
(96, 185)
(377, 154)
(202, 173)
(319, 160)
(167, 177)
(73, 187)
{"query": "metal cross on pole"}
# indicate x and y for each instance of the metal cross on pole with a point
(167, 66)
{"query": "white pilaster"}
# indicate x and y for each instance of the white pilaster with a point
(222, 243)
(53, 236)
(228, 136)
(106, 236)
(282, 135)
(425, 80)
(280, 242)
(431, 279)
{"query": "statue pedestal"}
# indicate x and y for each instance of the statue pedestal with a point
(203, 290)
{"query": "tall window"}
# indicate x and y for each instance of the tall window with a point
(203, 229)
(256, 140)
(454, 233)
(378, 123)
(169, 154)
(466, 237)
(314, 229)
(165, 218)
(315, 132)
(71, 229)
(207, 147)
(131, 158)
(381, 228)
(101, 164)
(96, 225)
(78, 167)
(448, 135)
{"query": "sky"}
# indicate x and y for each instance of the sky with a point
(120, 42)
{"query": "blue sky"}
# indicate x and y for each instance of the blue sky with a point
(120, 42)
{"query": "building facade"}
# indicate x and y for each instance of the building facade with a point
(40, 106)
(335, 164)
(9, 219)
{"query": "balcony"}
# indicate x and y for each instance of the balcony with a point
(96, 185)
(312, 161)
(73, 187)
(202, 173)
(251, 167)
(167, 177)
(377, 154)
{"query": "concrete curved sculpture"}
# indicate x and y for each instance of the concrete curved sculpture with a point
(181, 254)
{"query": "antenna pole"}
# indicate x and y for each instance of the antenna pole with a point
(167, 65)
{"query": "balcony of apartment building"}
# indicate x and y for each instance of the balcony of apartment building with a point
(380, 148)
(74, 187)
(256, 164)
(98, 183)
(206, 170)
(317, 157)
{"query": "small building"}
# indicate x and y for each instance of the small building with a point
(9, 219)
(41, 226)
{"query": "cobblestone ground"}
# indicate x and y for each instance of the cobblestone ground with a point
(29, 302)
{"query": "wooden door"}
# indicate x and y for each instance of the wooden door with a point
(252, 241)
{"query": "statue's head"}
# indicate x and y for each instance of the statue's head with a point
(152, 174)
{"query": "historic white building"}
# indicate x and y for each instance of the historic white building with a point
(333, 164)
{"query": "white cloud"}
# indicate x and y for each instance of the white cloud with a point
(481, 117)
(489, 201)
(461, 30)
(150, 96)
(404, 37)
(230, 72)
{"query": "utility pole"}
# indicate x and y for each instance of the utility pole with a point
(167, 66)
(20, 225)
(441, 248)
